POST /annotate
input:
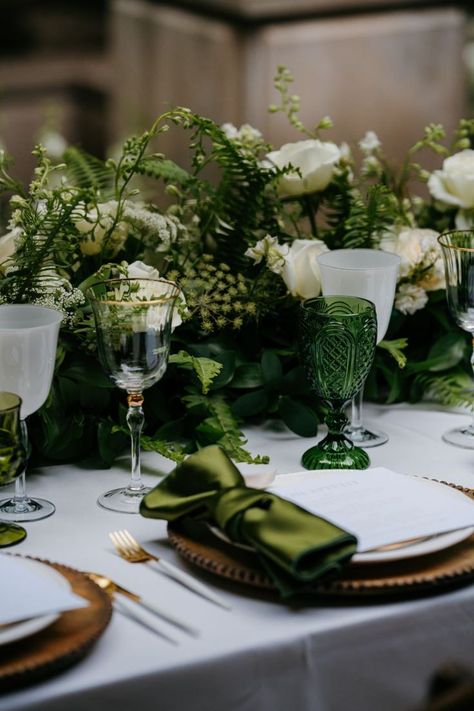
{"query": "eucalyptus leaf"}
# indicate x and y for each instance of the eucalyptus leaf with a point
(272, 370)
(250, 404)
(247, 375)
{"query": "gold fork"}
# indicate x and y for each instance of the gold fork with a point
(133, 608)
(128, 548)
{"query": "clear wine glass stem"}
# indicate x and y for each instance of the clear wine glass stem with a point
(356, 415)
(20, 498)
(135, 420)
(470, 429)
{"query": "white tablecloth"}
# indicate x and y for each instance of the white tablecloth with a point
(263, 655)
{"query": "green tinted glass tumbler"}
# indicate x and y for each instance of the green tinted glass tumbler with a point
(337, 339)
(12, 459)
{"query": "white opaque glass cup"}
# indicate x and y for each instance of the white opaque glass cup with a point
(370, 274)
(28, 342)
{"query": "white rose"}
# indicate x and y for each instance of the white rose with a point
(418, 249)
(315, 161)
(95, 224)
(454, 184)
(301, 270)
(410, 298)
(464, 219)
(140, 270)
(8, 243)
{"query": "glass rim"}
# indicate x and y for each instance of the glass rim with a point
(144, 302)
(59, 316)
(10, 408)
(394, 258)
(366, 302)
(453, 246)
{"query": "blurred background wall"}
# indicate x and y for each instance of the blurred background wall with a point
(96, 70)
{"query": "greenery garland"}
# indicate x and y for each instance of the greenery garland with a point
(230, 231)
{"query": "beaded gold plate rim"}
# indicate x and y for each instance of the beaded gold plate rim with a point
(62, 644)
(435, 572)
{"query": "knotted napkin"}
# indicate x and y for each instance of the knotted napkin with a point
(296, 548)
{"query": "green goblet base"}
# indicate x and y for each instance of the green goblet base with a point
(335, 453)
(10, 534)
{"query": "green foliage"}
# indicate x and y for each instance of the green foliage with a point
(205, 368)
(369, 218)
(234, 359)
(87, 171)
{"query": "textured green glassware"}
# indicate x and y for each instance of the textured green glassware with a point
(12, 459)
(337, 344)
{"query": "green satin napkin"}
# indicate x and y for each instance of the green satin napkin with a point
(295, 547)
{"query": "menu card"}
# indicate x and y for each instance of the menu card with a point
(378, 505)
(31, 589)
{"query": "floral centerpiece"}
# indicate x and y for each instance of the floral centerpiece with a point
(239, 231)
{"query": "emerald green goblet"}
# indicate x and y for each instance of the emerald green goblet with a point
(337, 345)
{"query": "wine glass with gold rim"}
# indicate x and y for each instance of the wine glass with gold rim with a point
(458, 254)
(337, 345)
(133, 319)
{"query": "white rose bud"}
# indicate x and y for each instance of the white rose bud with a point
(301, 270)
(315, 161)
(8, 243)
(454, 184)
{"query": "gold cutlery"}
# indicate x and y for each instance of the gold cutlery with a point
(129, 549)
(112, 588)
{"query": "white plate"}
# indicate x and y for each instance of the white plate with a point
(431, 545)
(19, 630)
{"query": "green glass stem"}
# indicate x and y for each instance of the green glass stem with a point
(335, 451)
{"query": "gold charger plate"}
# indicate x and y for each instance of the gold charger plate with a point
(431, 573)
(61, 644)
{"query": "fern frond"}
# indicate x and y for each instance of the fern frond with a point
(87, 171)
(369, 218)
(205, 368)
(170, 450)
(156, 166)
(451, 390)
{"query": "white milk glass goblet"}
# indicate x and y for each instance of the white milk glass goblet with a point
(370, 274)
(28, 341)
(133, 319)
(458, 254)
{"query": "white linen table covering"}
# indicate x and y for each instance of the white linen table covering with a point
(263, 655)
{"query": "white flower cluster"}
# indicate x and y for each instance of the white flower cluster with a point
(157, 230)
(296, 263)
(247, 135)
(421, 266)
(104, 231)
